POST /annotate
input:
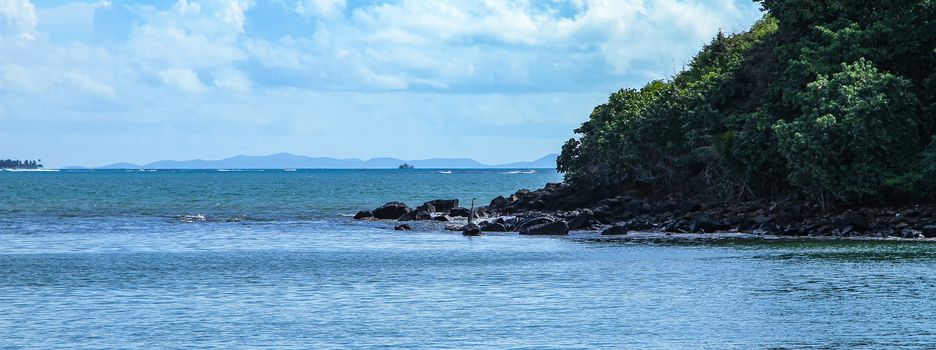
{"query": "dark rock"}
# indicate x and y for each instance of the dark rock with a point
(908, 233)
(471, 230)
(792, 231)
(687, 206)
(459, 212)
(443, 205)
(522, 225)
(759, 220)
(403, 227)
(603, 212)
(855, 220)
(481, 212)
(427, 207)
(391, 211)
(493, 227)
(364, 214)
(416, 215)
(521, 194)
(441, 218)
(704, 222)
(663, 207)
(499, 203)
(615, 230)
(582, 219)
(552, 228)
(634, 206)
(929, 231)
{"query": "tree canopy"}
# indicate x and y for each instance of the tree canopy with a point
(830, 100)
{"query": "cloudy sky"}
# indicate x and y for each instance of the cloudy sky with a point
(96, 82)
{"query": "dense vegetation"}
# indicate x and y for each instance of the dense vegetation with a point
(827, 100)
(19, 164)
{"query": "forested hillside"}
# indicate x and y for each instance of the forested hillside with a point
(823, 100)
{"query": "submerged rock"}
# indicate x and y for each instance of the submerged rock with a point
(391, 211)
(615, 230)
(493, 227)
(471, 230)
(551, 228)
(416, 215)
(403, 227)
(929, 231)
(524, 224)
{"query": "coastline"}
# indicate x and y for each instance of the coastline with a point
(557, 209)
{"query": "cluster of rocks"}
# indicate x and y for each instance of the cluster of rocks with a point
(501, 215)
(556, 209)
(438, 210)
(621, 214)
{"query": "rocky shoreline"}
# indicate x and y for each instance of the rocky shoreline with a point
(556, 209)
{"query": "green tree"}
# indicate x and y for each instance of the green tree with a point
(859, 130)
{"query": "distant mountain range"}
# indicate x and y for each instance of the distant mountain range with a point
(287, 161)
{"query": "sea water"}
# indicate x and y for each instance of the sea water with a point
(251, 259)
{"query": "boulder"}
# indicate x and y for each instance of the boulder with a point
(522, 225)
(615, 230)
(855, 220)
(551, 228)
(499, 203)
(687, 206)
(364, 214)
(704, 222)
(427, 207)
(391, 211)
(493, 227)
(635, 206)
(403, 227)
(459, 212)
(481, 212)
(441, 218)
(416, 215)
(583, 219)
(471, 230)
(929, 231)
(442, 205)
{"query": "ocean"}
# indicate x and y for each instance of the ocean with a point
(271, 259)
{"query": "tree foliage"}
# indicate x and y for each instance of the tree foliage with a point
(827, 99)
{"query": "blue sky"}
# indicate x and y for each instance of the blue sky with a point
(96, 82)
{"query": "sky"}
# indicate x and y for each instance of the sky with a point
(98, 82)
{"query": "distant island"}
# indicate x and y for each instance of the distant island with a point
(293, 161)
(20, 164)
(406, 166)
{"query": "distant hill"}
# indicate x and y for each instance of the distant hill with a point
(287, 160)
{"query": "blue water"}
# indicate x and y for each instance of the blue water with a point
(108, 259)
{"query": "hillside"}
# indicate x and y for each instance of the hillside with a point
(827, 101)
(287, 160)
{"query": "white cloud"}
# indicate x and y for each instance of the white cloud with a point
(305, 78)
(233, 80)
(18, 18)
(185, 79)
(234, 15)
(84, 82)
(320, 8)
